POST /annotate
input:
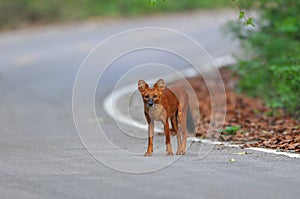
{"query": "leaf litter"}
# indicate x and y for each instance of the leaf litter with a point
(248, 121)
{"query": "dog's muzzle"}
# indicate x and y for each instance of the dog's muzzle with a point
(150, 103)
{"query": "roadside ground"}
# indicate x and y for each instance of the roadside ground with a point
(248, 121)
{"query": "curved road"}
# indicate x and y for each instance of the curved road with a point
(41, 155)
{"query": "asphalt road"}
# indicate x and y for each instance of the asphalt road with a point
(42, 156)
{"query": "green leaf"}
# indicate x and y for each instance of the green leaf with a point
(231, 130)
(250, 22)
(152, 2)
(242, 15)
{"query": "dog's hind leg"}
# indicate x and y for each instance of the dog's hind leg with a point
(174, 122)
(168, 139)
(182, 130)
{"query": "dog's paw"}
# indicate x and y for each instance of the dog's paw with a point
(180, 152)
(148, 153)
(169, 153)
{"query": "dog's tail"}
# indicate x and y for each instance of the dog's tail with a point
(190, 124)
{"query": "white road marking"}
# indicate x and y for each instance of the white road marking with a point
(288, 154)
(111, 100)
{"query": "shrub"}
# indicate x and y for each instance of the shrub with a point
(273, 70)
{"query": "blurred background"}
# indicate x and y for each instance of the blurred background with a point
(267, 32)
(18, 13)
(272, 46)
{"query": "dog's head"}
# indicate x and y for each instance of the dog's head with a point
(151, 96)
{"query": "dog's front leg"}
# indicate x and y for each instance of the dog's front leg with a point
(150, 139)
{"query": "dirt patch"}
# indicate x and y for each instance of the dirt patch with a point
(248, 121)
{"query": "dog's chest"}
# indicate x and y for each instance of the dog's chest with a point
(157, 112)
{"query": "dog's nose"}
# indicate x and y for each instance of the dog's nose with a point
(150, 103)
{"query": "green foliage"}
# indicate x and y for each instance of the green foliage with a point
(14, 13)
(231, 130)
(153, 2)
(273, 71)
(288, 88)
(242, 15)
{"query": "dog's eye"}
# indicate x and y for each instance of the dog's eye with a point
(155, 96)
(146, 96)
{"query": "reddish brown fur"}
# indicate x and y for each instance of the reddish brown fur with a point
(160, 104)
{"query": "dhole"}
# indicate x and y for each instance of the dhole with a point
(162, 103)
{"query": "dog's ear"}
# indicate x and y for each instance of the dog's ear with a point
(160, 85)
(142, 85)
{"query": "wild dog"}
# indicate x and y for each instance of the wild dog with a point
(161, 104)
